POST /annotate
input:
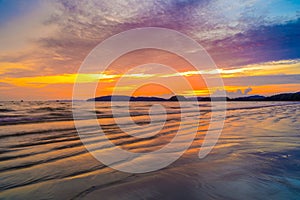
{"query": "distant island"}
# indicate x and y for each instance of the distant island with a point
(277, 97)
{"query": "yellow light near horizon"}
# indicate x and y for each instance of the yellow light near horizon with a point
(108, 80)
(40, 81)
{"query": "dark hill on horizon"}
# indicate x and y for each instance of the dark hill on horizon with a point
(277, 97)
(125, 98)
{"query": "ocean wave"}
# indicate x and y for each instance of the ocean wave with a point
(49, 109)
(6, 110)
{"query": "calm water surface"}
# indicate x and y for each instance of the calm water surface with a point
(256, 157)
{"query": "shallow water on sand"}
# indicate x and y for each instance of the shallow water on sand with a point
(257, 155)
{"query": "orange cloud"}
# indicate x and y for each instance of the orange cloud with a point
(6, 67)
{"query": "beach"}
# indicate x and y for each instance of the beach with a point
(256, 157)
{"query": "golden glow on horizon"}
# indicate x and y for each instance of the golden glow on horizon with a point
(287, 67)
(147, 90)
(260, 89)
(271, 68)
(40, 81)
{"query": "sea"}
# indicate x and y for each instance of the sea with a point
(42, 156)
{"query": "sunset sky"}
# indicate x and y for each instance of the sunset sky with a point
(254, 43)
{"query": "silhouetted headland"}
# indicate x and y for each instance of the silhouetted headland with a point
(277, 97)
